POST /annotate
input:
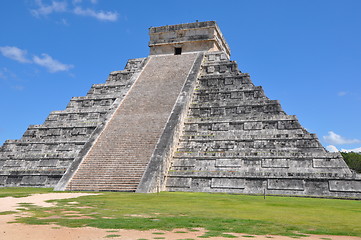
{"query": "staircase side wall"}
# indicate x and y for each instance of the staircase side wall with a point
(154, 177)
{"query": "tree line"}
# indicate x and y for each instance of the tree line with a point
(353, 160)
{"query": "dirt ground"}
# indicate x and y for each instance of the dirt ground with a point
(17, 231)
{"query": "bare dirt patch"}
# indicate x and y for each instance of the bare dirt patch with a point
(10, 203)
(88, 233)
(82, 217)
(17, 231)
(138, 215)
(70, 212)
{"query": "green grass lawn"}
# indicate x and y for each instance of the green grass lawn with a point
(19, 192)
(218, 213)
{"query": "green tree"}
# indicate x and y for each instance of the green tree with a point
(353, 160)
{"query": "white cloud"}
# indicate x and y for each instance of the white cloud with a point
(51, 64)
(14, 53)
(334, 138)
(2, 76)
(331, 148)
(6, 74)
(44, 10)
(18, 87)
(45, 60)
(100, 15)
(80, 1)
(2, 73)
(351, 150)
(62, 6)
(342, 93)
(63, 21)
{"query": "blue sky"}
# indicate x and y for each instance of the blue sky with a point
(305, 53)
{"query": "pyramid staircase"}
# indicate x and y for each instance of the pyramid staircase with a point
(121, 154)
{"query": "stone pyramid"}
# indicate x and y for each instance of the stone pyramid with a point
(183, 119)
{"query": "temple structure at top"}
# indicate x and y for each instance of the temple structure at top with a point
(187, 38)
(185, 118)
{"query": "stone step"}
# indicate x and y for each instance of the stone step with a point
(251, 135)
(83, 102)
(109, 90)
(131, 166)
(213, 89)
(121, 172)
(133, 177)
(38, 156)
(67, 112)
(104, 187)
(223, 153)
(124, 182)
(229, 119)
(72, 123)
(236, 103)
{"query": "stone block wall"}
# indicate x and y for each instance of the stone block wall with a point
(235, 139)
(45, 152)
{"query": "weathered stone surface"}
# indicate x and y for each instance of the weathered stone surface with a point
(237, 140)
(227, 183)
(183, 119)
(179, 182)
(286, 184)
(345, 186)
(50, 148)
(121, 154)
(190, 37)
